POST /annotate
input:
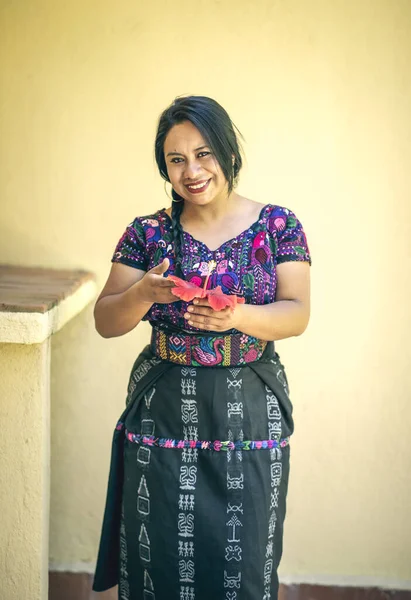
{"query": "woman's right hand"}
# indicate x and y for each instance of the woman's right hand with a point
(156, 288)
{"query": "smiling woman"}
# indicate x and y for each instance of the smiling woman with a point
(191, 514)
(194, 171)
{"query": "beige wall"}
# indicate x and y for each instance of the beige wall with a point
(322, 92)
(24, 470)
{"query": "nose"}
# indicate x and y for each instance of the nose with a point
(192, 169)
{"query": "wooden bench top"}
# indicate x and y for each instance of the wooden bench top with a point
(35, 289)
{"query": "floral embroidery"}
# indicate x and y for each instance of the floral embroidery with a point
(245, 265)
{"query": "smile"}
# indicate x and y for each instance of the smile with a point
(198, 187)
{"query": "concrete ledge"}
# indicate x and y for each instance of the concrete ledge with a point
(35, 303)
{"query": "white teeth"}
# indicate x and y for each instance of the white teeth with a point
(197, 187)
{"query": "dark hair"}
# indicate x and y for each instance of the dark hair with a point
(218, 131)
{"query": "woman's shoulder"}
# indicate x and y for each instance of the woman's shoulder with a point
(143, 237)
(155, 219)
(274, 210)
(278, 217)
(285, 227)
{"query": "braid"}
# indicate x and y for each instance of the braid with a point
(176, 210)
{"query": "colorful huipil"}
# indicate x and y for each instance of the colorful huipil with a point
(200, 460)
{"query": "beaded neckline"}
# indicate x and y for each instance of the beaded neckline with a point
(187, 235)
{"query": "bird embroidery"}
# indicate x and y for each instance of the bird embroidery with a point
(208, 352)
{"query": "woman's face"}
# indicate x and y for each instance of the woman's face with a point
(192, 168)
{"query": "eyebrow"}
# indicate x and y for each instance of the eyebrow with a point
(179, 153)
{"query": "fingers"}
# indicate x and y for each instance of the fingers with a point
(165, 297)
(207, 311)
(207, 324)
(165, 283)
(202, 322)
(201, 302)
(204, 317)
(161, 268)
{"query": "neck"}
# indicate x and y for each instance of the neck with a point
(213, 211)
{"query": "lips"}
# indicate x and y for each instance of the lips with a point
(198, 187)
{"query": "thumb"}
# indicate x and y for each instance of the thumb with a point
(161, 268)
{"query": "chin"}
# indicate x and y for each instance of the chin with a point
(201, 201)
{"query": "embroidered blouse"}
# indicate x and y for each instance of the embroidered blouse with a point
(246, 264)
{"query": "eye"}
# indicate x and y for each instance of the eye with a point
(176, 160)
(205, 153)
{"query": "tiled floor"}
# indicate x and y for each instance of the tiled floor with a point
(77, 586)
(314, 592)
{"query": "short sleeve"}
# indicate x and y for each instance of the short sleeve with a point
(131, 248)
(291, 238)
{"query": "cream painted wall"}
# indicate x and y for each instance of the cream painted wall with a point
(24, 470)
(321, 91)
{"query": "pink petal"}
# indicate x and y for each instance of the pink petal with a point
(187, 294)
(218, 300)
(181, 282)
(185, 289)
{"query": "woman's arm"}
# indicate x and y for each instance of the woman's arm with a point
(287, 317)
(128, 295)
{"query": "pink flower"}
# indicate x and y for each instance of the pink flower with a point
(187, 291)
(251, 355)
(196, 279)
(217, 445)
(192, 443)
(169, 444)
(258, 445)
(180, 444)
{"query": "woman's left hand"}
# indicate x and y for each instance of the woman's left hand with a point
(201, 315)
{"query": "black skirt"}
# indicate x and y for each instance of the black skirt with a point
(198, 482)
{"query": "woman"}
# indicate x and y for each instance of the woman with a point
(200, 461)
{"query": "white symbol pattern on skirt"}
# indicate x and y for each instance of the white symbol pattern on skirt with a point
(188, 480)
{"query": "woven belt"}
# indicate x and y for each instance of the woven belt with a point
(206, 350)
